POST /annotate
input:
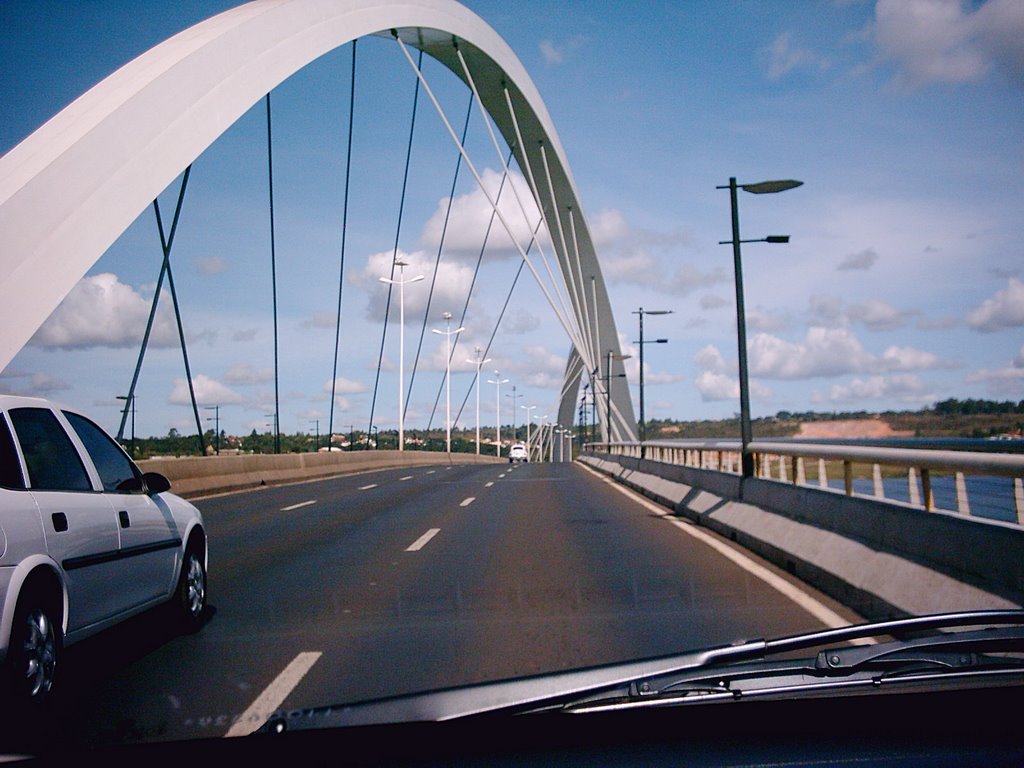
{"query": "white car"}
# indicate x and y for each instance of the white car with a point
(517, 453)
(86, 540)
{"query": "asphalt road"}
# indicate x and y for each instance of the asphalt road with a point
(407, 580)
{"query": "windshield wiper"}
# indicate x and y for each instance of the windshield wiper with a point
(921, 649)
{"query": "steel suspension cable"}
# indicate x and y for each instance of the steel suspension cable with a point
(273, 279)
(501, 316)
(469, 163)
(472, 285)
(398, 232)
(515, 192)
(165, 244)
(437, 260)
(582, 347)
(344, 232)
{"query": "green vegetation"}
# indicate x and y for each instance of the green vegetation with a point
(949, 418)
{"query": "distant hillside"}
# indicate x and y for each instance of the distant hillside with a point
(949, 418)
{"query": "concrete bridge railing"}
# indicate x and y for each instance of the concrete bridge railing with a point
(882, 558)
(862, 468)
(193, 476)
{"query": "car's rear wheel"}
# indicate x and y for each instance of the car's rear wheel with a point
(190, 598)
(35, 649)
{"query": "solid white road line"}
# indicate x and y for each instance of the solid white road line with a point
(821, 612)
(421, 542)
(298, 506)
(467, 502)
(367, 487)
(273, 695)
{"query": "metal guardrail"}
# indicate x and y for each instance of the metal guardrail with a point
(809, 464)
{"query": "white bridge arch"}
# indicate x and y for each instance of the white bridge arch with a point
(70, 189)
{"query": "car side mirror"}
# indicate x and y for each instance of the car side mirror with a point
(156, 483)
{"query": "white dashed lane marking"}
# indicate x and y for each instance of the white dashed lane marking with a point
(298, 506)
(421, 542)
(467, 502)
(274, 694)
(367, 487)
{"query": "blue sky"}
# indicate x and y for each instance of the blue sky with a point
(903, 283)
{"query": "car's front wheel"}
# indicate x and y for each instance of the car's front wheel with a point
(190, 598)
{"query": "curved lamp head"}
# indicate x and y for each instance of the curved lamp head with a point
(764, 187)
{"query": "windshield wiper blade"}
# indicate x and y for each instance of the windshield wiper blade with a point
(713, 668)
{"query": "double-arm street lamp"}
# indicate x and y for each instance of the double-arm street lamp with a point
(216, 422)
(478, 362)
(448, 333)
(497, 382)
(608, 388)
(401, 282)
(760, 188)
(643, 422)
(129, 402)
(528, 408)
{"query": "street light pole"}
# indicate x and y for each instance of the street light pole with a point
(216, 420)
(643, 421)
(608, 388)
(498, 381)
(478, 362)
(448, 333)
(401, 283)
(129, 401)
(514, 396)
(764, 187)
(528, 408)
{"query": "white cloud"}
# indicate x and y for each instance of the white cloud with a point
(101, 311)
(862, 260)
(879, 316)
(550, 53)
(211, 265)
(1004, 310)
(715, 379)
(1002, 382)
(554, 53)
(938, 41)
(471, 215)
(343, 386)
(450, 289)
(716, 386)
(824, 352)
(208, 392)
(243, 374)
(325, 320)
(784, 57)
(762, 320)
(903, 387)
(873, 314)
(608, 226)
(710, 301)
(910, 359)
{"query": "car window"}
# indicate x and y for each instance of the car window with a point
(50, 456)
(113, 466)
(10, 468)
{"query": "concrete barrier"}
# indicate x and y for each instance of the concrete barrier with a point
(193, 476)
(883, 559)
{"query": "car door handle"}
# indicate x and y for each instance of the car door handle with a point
(60, 522)
(123, 517)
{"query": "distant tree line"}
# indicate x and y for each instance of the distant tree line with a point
(954, 407)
